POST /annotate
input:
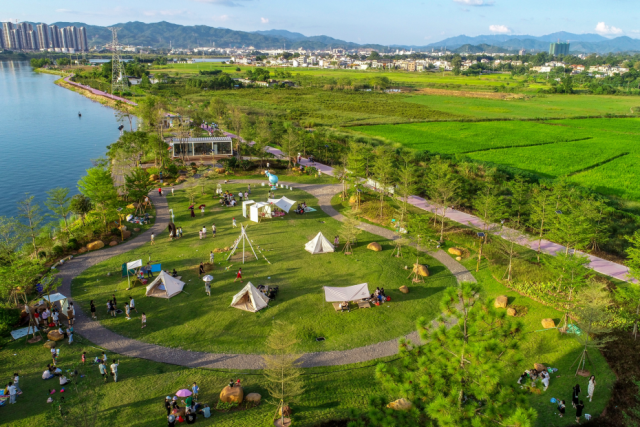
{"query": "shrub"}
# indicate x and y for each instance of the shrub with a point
(152, 170)
(115, 231)
(73, 244)
(57, 250)
(8, 318)
(42, 254)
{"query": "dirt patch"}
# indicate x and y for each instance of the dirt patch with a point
(237, 257)
(464, 94)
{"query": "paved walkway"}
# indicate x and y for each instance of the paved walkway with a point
(97, 92)
(105, 338)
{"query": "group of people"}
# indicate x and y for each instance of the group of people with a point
(379, 296)
(301, 208)
(228, 199)
(533, 375)
(51, 318)
(12, 389)
(112, 308)
(188, 412)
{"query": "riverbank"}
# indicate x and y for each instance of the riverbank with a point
(121, 106)
(54, 72)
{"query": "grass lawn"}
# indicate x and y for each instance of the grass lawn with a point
(194, 321)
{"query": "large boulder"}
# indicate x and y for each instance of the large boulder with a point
(137, 229)
(55, 336)
(400, 405)
(113, 243)
(98, 244)
(501, 302)
(253, 398)
(539, 367)
(353, 200)
(126, 234)
(49, 345)
(154, 177)
(455, 251)
(404, 289)
(511, 311)
(548, 323)
(374, 247)
(421, 270)
(220, 170)
(232, 394)
(83, 250)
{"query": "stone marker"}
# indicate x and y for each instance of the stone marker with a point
(501, 302)
(400, 405)
(374, 247)
(232, 394)
(511, 311)
(455, 251)
(548, 323)
(98, 244)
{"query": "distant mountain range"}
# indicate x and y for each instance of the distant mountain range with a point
(165, 34)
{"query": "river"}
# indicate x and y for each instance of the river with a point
(44, 143)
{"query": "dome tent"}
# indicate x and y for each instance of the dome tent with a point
(250, 299)
(319, 245)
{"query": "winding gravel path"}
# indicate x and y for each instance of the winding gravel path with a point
(105, 338)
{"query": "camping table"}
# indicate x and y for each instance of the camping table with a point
(364, 304)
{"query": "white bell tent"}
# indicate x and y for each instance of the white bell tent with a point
(164, 286)
(347, 293)
(283, 203)
(260, 210)
(250, 299)
(319, 245)
(246, 207)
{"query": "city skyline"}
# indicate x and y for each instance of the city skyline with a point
(23, 36)
(410, 22)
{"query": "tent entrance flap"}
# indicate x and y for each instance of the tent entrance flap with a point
(347, 293)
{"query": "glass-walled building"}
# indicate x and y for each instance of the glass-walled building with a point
(216, 147)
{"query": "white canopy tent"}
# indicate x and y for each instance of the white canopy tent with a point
(283, 203)
(250, 299)
(348, 293)
(245, 207)
(260, 210)
(164, 286)
(319, 245)
(53, 298)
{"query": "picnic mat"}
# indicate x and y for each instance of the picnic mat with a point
(22, 332)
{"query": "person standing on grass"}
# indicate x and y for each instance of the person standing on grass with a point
(12, 392)
(104, 357)
(114, 370)
(195, 389)
(234, 225)
(172, 191)
(575, 395)
(132, 304)
(239, 275)
(249, 189)
(201, 269)
(115, 303)
(167, 405)
(211, 257)
(200, 234)
(16, 383)
(84, 357)
(207, 288)
(103, 370)
(592, 387)
(71, 313)
(561, 408)
(93, 310)
(213, 230)
(152, 238)
(70, 333)
(579, 409)
(149, 272)
(127, 311)
(144, 320)
(204, 232)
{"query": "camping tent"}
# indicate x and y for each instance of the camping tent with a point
(250, 299)
(283, 203)
(164, 286)
(258, 209)
(348, 293)
(245, 207)
(319, 245)
(64, 305)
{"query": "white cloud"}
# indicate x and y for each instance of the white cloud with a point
(221, 18)
(477, 3)
(607, 30)
(228, 3)
(499, 29)
(264, 20)
(164, 12)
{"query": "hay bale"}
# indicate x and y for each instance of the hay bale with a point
(113, 243)
(421, 270)
(501, 302)
(511, 311)
(374, 247)
(539, 367)
(49, 345)
(83, 250)
(400, 405)
(404, 289)
(55, 336)
(98, 244)
(548, 323)
(253, 398)
(455, 251)
(232, 394)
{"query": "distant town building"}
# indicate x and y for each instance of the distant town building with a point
(556, 49)
(44, 39)
(23, 36)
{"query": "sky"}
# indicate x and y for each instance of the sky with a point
(409, 22)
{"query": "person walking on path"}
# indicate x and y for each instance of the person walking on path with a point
(579, 409)
(592, 387)
(152, 238)
(172, 191)
(211, 257)
(575, 396)
(114, 370)
(144, 320)
(239, 275)
(103, 370)
(213, 230)
(93, 310)
(132, 304)
(71, 314)
(160, 192)
(127, 311)
(234, 223)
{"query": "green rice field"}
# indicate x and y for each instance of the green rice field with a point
(601, 154)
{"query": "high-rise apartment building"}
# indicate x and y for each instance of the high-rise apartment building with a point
(55, 37)
(44, 41)
(82, 38)
(65, 38)
(23, 33)
(2, 38)
(556, 49)
(16, 39)
(9, 40)
(33, 40)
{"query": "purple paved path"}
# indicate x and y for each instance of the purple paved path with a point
(98, 92)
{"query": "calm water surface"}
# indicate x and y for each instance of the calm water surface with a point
(43, 142)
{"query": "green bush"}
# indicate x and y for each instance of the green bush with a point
(152, 170)
(8, 318)
(115, 231)
(73, 244)
(57, 250)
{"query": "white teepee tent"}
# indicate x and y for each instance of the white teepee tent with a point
(250, 299)
(319, 245)
(243, 237)
(164, 286)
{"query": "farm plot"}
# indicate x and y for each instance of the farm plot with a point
(629, 126)
(616, 178)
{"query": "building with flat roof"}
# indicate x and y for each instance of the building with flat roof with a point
(556, 49)
(206, 147)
